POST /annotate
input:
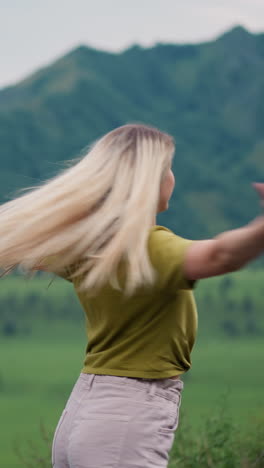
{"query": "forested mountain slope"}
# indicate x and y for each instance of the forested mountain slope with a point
(208, 96)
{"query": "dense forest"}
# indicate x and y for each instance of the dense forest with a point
(229, 306)
(209, 96)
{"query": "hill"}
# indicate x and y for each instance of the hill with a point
(209, 96)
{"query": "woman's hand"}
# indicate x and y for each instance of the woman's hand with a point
(259, 187)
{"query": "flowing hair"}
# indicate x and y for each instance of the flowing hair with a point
(93, 214)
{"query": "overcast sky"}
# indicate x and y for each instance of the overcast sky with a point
(34, 33)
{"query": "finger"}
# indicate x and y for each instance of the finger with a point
(259, 187)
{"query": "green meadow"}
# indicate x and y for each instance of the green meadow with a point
(37, 375)
(41, 359)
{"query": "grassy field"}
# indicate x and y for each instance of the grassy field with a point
(37, 374)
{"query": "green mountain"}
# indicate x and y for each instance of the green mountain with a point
(209, 96)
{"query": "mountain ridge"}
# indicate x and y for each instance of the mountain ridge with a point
(209, 96)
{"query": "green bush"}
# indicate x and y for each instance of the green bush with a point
(218, 444)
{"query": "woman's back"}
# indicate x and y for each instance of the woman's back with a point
(150, 334)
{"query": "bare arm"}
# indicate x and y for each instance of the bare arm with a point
(228, 251)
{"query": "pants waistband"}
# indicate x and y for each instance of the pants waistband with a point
(167, 388)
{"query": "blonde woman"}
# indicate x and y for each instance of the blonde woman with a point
(94, 224)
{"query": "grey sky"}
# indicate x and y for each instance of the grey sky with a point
(34, 33)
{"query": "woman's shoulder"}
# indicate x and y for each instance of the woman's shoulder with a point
(160, 233)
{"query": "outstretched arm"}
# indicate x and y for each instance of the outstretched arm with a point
(228, 251)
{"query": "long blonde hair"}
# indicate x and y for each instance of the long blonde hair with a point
(99, 210)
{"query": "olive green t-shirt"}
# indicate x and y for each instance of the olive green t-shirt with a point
(152, 333)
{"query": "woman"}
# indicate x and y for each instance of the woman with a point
(95, 225)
